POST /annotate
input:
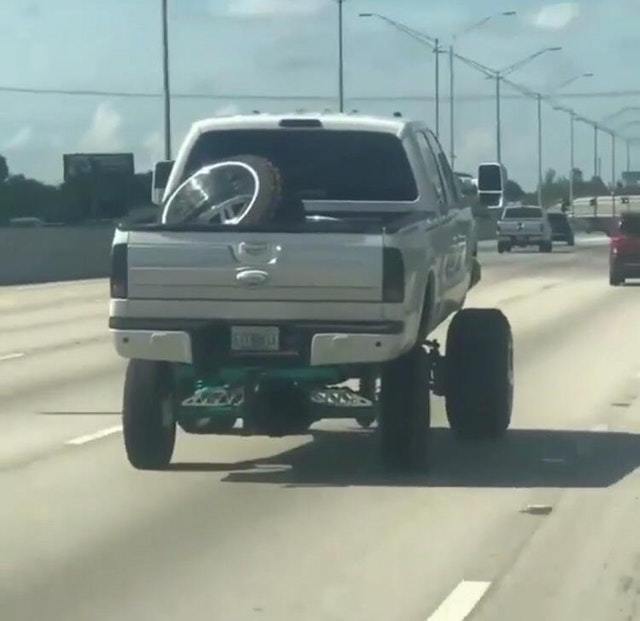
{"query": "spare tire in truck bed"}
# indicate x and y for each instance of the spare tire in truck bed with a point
(241, 190)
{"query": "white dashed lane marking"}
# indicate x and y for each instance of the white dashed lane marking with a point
(13, 356)
(461, 601)
(98, 435)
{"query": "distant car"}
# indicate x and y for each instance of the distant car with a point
(25, 222)
(524, 225)
(624, 254)
(561, 228)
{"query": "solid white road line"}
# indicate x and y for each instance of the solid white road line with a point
(103, 433)
(601, 428)
(13, 356)
(461, 601)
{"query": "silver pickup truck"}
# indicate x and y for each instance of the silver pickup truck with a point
(524, 225)
(295, 272)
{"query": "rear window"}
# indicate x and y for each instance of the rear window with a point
(320, 164)
(557, 217)
(521, 213)
(630, 225)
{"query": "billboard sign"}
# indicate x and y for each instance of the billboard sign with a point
(631, 177)
(82, 165)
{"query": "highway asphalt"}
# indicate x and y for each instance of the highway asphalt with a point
(541, 525)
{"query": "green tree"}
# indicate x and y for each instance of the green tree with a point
(513, 191)
(549, 176)
(4, 169)
(578, 176)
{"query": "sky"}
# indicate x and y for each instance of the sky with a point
(254, 54)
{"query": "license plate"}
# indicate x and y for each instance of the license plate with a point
(255, 338)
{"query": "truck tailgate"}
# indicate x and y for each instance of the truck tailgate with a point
(235, 266)
(521, 227)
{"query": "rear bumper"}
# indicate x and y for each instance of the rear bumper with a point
(629, 268)
(206, 344)
(523, 240)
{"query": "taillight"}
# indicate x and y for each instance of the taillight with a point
(392, 276)
(119, 271)
(619, 244)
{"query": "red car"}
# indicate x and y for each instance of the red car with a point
(624, 254)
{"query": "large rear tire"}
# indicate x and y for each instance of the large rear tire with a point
(404, 412)
(148, 415)
(368, 389)
(615, 278)
(479, 373)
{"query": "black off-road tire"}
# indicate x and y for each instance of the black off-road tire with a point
(148, 415)
(615, 278)
(270, 192)
(405, 419)
(211, 426)
(479, 373)
(368, 391)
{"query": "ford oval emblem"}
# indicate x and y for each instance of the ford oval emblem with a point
(252, 278)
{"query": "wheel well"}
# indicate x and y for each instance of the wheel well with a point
(427, 308)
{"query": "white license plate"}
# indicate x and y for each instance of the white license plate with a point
(255, 338)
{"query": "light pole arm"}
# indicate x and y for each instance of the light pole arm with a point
(525, 61)
(482, 22)
(417, 35)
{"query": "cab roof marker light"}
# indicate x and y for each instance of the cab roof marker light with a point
(301, 123)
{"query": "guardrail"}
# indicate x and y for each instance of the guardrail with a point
(604, 206)
(47, 254)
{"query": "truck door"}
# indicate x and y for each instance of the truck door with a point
(462, 250)
(442, 238)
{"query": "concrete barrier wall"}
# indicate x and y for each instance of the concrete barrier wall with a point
(48, 254)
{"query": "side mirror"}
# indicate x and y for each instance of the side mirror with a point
(161, 172)
(492, 179)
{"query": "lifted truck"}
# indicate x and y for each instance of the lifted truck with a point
(301, 282)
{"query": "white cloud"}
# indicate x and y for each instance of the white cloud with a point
(19, 140)
(556, 16)
(273, 8)
(153, 144)
(227, 110)
(105, 131)
(478, 146)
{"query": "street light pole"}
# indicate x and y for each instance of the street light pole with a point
(628, 155)
(498, 121)
(436, 51)
(452, 96)
(613, 173)
(572, 115)
(613, 161)
(423, 39)
(498, 76)
(595, 150)
(452, 131)
(167, 84)
(539, 101)
(341, 55)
